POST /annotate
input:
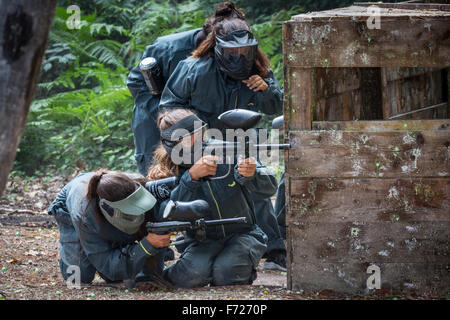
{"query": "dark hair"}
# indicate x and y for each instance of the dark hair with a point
(109, 185)
(224, 27)
(225, 10)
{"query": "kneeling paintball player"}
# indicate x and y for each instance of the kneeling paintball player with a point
(229, 254)
(101, 218)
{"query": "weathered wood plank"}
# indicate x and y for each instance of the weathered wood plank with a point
(408, 42)
(437, 111)
(300, 99)
(363, 12)
(413, 91)
(337, 99)
(370, 200)
(384, 242)
(388, 125)
(367, 192)
(348, 154)
(349, 79)
(406, 6)
(343, 106)
(337, 256)
(393, 73)
(397, 278)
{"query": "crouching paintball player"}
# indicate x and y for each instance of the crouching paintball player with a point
(228, 254)
(101, 219)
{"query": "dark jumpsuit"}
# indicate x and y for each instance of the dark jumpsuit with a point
(200, 85)
(231, 253)
(93, 245)
(168, 51)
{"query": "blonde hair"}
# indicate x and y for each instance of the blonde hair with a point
(164, 166)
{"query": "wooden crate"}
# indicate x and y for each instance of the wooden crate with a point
(368, 176)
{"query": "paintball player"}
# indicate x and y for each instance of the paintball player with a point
(168, 51)
(230, 254)
(101, 219)
(229, 71)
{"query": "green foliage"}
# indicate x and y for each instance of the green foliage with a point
(81, 115)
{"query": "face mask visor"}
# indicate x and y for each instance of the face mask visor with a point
(236, 53)
(185, 132)
(127, 215)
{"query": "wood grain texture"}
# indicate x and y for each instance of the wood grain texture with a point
(338, 227)
(407, 89)
(406, 6)
(351, 278)
(383, 242)
(368, 192)
(300, 98)
(411, 42)
(337, 94)
(370, 200)
(345, 154)
(388, 11)
(377, 126)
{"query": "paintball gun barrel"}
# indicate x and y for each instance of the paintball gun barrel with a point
(199, 226)
(180, 226)
(190, 216)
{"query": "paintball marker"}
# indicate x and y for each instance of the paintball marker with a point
(161, 189)
(245, 120)
(190, 216)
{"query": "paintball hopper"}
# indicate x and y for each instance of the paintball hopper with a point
(186, 211)
(278, 123)
(240, 119)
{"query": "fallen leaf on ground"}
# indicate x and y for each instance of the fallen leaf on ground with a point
(14, 260)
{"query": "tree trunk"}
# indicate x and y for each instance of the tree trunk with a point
(24, 29)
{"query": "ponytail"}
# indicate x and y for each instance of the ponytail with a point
(92, 193)
(109, 185)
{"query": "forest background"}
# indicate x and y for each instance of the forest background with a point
(81, 115)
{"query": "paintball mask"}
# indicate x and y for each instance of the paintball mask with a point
(235, 53)
(182, 151)
(127, 215)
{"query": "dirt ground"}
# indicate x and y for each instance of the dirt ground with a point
(29, 259)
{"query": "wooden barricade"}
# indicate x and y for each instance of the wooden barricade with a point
(368, 176)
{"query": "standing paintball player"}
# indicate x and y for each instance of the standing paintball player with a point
(162, 57)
